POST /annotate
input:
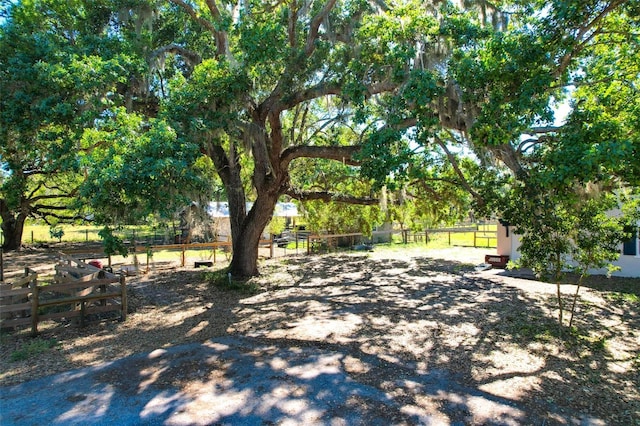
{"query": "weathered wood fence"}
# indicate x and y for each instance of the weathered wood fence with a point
(78, 290)
(139, 249)
(454, 237)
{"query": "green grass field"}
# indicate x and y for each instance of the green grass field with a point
(36, 233)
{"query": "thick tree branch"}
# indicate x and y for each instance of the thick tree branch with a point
(328, 196)
(583, 37)
(53, 196)
(456, 168)
(292, 24)
(36, 188)
(59, 217)
(422, 184)
(220, 160)
(527, 144)
(194, 15)
(318, 91)
(222, 43)
(336, 153)
(191, 57)
(315, 26)
(315, 92)
(37, 208)
(544, 130)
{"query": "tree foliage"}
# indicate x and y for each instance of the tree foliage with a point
(56, 76)
(573, 184)
(69, 71)
(328, 100)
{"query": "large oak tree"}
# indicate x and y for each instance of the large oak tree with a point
(259, 87)
(59, 72)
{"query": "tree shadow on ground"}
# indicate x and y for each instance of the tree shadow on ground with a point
(432, 313)
(165, 308)
(346, 339)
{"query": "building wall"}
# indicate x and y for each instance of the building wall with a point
(509, 243)
(504, 241)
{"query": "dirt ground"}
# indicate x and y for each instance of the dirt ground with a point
(421, 310)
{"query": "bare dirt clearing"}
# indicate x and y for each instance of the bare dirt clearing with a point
(416, 311)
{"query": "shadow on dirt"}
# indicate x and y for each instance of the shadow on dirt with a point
(247, 381)
(346, 339)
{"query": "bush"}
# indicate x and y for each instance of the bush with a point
(56, 232)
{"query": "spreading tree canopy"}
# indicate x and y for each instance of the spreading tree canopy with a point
(56, 76)
(397, 89)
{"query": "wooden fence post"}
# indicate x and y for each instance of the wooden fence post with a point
(475, 239)
(183, 255)
(34, 305)
(103, 289)
(83, 312)
(271, 250)
(123, 297)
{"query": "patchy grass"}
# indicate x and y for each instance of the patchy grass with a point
(221, 279)
(33, 348)
(626, 297)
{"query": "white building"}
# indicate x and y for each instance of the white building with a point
(219, 211)
(629, 260)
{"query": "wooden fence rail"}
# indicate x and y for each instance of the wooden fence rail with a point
(79, 290)
(465, 237)
(457, 237)
(182, 248)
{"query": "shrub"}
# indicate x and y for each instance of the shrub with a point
(56, 232)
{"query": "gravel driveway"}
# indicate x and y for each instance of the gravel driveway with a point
(246, 381)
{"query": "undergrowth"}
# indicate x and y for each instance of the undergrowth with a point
(33, 348)
(221, 279)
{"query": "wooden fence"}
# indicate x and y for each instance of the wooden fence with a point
(314, 243)
(226, 246)
(453, 237)
(78, 290)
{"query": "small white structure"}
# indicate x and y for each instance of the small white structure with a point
(219, 211)
(629, 260)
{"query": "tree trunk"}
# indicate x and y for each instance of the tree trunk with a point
(575, 300)
(12, 228)
(244, 262)
(560, 306)
(246, 229)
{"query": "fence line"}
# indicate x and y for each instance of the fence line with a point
(314, 242)
(464, 237)
(478, 236)
(328, 241)
(83, 288)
